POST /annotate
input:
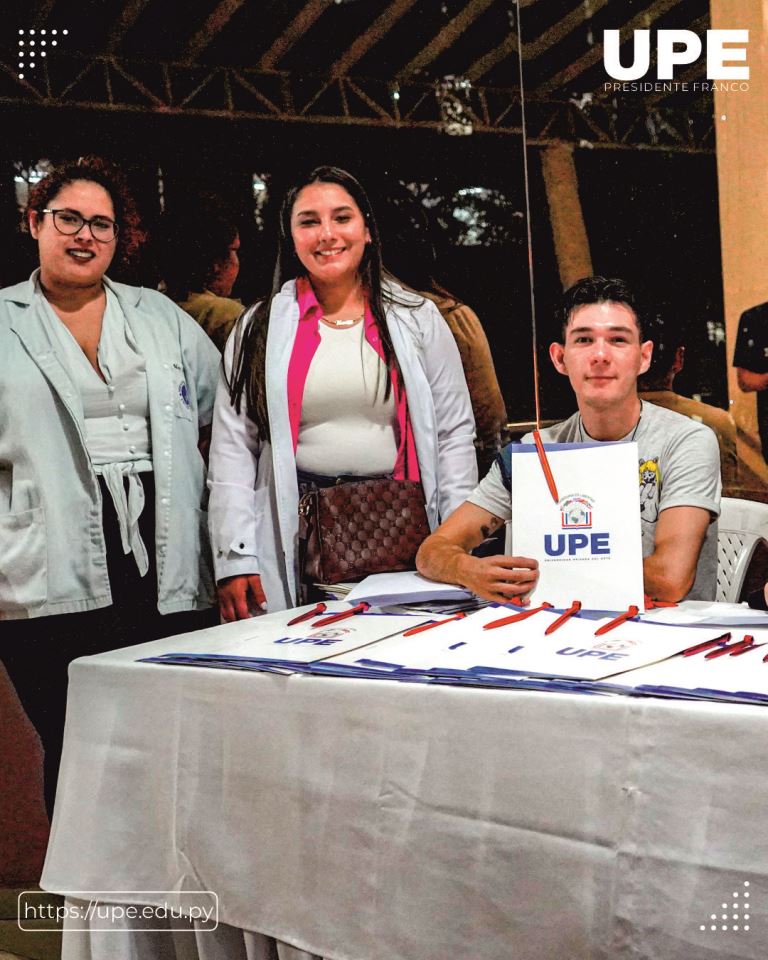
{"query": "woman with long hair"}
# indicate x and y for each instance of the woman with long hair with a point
(103, 391)
(339, 374)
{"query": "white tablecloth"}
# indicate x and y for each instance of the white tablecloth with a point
(373, 820)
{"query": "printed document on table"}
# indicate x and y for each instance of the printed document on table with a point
(588, 543)
(571, 652)
(270, 639)
(727, 677)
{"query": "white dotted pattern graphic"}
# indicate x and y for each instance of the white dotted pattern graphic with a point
(736, 906)
(29, 41)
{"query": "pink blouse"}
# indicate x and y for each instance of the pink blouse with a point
(304, 347)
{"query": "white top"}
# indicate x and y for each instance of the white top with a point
(116, 411)
(347, 427)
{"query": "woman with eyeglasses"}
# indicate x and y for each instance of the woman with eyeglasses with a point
(104, 389)
(340, 373)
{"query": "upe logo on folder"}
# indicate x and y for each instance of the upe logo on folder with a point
(576, 514)
(576, 511)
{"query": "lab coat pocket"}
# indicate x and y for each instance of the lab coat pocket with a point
(23, 560)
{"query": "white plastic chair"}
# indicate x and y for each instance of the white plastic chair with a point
(742, 524)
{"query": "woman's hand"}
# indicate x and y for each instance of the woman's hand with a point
(241, 597)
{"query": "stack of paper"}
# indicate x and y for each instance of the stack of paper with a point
(335, 591)
(704, 612)
(270, 643)
(741, 677)
(634, 658)
(462, 650)
(383, 589)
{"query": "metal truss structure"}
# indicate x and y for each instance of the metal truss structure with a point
(111, 83)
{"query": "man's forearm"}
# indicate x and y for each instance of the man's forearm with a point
(440, 559)
(665, 580)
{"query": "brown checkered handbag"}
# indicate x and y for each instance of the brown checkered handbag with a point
(361, 527)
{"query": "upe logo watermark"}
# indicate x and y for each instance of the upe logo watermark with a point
(726, 59)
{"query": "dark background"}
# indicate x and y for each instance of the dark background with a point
(651, 215)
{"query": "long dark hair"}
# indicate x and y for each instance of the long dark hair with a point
(248, 370)
(97, 170)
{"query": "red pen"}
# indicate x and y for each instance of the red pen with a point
(548, 475)
(617, 621)
(431, 626)
(751, 646)
(741, 645)
(335, 617)
(574, 608)
(701, 647)
(319, 608)
(651, 604)
(516, 617)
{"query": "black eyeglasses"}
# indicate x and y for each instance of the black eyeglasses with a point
(70, 222)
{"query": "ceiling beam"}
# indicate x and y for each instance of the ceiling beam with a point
(560, 30)
(446, 37)
(643, 21)
(217, 20)
(480, 67)
(41, 14)
(128, 16)
(554, 35)
(375, 32)
(299, 26)
(369, 105)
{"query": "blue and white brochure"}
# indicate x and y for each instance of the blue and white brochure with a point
(270, 642)
(462, 648)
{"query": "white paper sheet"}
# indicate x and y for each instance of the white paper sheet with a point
(408, 586)
(270, 639)
(700, 612)
(572, 652)
(726, 677)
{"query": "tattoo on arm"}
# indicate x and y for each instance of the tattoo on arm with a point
(491, 527)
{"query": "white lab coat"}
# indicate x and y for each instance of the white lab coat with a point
(52, 551)
(253, 508)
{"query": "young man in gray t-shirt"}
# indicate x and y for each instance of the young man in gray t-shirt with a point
(602, 353)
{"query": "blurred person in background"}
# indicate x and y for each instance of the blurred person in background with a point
(656, 386)
(411, 257)
(199, 262)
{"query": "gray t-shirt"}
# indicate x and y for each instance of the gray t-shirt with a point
(679, 467)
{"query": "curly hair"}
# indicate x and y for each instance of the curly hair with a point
(97, 170)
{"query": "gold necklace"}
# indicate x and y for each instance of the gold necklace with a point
(343, 323)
